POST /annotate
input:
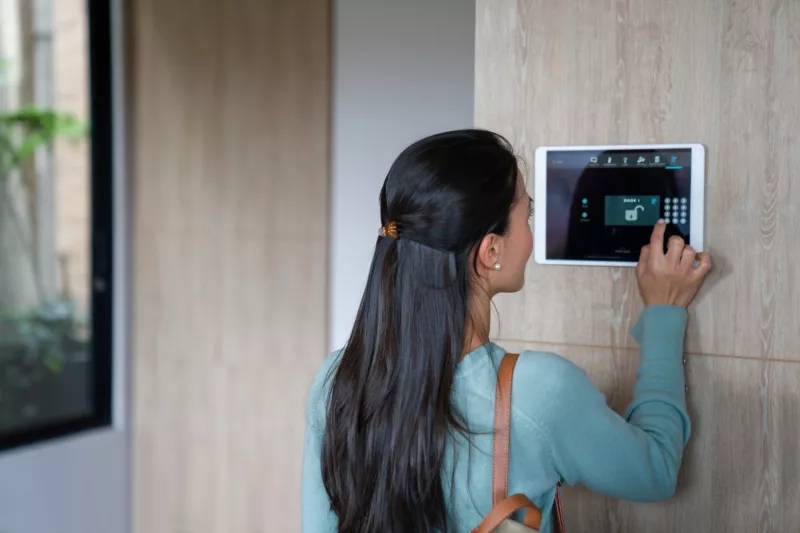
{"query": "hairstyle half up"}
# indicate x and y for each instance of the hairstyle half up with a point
(389, 415)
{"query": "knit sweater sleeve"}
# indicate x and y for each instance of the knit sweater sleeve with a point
(636, 456)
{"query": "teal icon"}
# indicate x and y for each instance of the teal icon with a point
(633, 210)
(585, 201)
(585, 214)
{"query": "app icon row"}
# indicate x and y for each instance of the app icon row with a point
(637, 159)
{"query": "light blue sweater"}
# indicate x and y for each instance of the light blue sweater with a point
(561, 429)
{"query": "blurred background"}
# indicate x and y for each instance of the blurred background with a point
(189, 204)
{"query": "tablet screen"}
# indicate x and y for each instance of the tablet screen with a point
(602, 205)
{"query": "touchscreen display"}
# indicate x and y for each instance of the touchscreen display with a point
(602, 205)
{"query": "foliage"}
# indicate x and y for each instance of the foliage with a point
(42, 351)
(25, 130)
(22, 133)
(50, 333)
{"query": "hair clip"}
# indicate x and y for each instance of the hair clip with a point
(389, 230)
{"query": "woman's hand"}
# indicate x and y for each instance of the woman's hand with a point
(670, 278)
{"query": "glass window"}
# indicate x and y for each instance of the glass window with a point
(55, 218)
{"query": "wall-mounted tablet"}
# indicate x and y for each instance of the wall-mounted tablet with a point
(597, 205)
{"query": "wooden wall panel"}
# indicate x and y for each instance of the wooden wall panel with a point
(719, 72)
(230, 112)
(724, 73)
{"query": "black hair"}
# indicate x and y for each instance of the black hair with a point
(389, 415)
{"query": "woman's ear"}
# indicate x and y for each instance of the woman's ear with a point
(489, 250)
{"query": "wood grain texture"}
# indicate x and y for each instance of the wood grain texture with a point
(741, 469)
(721, 72)
(230, 113)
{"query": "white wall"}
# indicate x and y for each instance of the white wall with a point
(73, 485)
(81, 483)
(402, 70)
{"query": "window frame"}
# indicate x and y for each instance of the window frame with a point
(101, 118)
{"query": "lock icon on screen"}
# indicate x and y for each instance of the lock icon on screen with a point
(632, 215)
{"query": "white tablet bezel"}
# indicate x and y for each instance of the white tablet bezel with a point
(696, 203)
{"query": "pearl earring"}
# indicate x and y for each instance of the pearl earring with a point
(497, 266)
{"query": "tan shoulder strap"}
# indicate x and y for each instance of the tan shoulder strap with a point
(502, 427)
(501, 444)
(505, 509)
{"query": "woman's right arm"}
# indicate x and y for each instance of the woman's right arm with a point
(637, 456)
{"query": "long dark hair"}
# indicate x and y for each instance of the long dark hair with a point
(389, 415)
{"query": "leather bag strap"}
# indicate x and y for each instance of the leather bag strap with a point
(502, 428)
(501, 445)
(506, 508)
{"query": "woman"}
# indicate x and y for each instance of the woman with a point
(399, 428)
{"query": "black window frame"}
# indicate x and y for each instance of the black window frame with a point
(101, 118)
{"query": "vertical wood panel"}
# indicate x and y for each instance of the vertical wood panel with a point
(724, 73)
(230, 114)
(719, 72)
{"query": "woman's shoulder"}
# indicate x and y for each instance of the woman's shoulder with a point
(545, 383)
(549, 367)
(534, 370)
